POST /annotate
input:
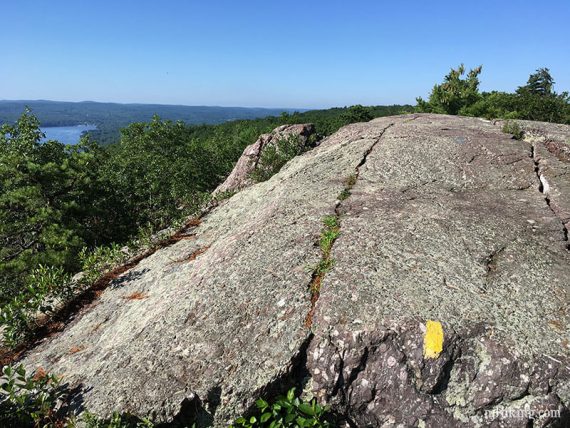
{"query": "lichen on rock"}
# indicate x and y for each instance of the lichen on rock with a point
(445, 220)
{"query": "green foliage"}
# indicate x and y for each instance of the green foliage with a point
(161, 173)
(275, 156)
(493, 105)
(538, 101)
(30, 401)
(454, 93)
(539, 83)
(329, 234)
(46, 287)
(512, 127)
(534, 101)
(39, 400)
(286, 411)
(99, 260)
(117, 420)
(50, 287)
(45, 210)
(344, 194)
(357, 113)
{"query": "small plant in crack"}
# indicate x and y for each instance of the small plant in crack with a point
(510, 127)
(351, 180)
(344, 194)
(329, 234)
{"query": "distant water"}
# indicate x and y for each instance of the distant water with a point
(66, 134)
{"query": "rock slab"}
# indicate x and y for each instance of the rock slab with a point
(441, 218)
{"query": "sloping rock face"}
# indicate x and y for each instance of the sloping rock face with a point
(240, 175)
(441, 218)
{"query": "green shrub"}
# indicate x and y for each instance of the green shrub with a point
(95, 262)
(46, 287)
(454, 93)
(275, 156)
(30, 401)
(117, 420)
(512, 127)
(286, 411)
(345, 194)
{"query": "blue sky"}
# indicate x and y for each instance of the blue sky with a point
(303, 54)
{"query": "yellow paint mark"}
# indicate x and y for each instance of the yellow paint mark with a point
(433, 339)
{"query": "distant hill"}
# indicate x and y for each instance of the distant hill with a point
(111, 117)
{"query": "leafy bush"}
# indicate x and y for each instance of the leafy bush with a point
(46, 287)
(30, 401)
(357, 113)
(512, 127)
(275, 156)
(454, 93)
(117, 420)
(286, 411)
(99, 260)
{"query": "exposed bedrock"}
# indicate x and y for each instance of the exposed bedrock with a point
(442, 218)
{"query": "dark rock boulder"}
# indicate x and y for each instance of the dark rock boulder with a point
(443, 301)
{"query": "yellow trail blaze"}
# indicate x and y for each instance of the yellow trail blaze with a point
(433, 339)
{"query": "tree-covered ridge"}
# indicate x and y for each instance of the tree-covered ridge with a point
(110, 118)
(536, 100)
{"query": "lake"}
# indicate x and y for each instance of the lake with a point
(66, 134)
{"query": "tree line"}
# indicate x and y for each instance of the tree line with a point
(536, 100)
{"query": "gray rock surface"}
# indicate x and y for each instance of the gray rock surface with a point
(239, 178)
(448, 219)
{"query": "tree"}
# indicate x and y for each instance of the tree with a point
(356, 113)
(537, 100)
(539, 83)
(454, 93)
(46, 198)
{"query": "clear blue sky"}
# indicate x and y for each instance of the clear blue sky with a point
(269, 53)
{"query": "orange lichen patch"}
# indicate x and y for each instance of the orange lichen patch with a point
(76, 349)
(433, 339)
(137, 295)
(193, 222)
(315, 288)
(39, 374)
(556, 325)
(197, 253)
(193, 255)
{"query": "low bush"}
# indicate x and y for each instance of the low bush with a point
(286, 411)
(512, 127)
(275, 156)
(46, 287)
(30, 400)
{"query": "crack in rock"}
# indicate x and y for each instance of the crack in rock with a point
(544, 188)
